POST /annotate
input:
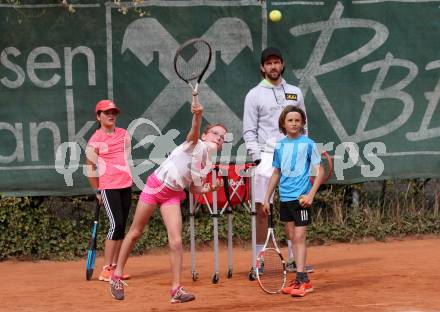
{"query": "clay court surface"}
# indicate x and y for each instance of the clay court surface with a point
(397, 275)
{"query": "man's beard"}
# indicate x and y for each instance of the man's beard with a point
(273, 75)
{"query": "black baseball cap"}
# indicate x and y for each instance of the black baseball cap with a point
(271, 51)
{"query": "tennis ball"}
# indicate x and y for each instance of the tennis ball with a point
(301, 199)
(275, 16)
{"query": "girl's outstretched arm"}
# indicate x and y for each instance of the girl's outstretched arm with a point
(196, 110)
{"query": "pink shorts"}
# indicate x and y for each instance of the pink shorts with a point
(156, 192)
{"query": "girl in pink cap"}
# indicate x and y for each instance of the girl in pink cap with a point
(109, 175)
(186, 167)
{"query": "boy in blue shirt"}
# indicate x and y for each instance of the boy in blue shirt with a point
(294, 156)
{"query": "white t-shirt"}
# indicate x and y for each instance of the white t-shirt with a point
(187, 163)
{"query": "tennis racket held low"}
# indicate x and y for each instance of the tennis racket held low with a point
(270, 265)
(91, 252)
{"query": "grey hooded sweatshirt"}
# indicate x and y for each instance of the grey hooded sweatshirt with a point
(262, 108)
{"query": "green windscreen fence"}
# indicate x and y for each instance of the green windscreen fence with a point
(369, 71)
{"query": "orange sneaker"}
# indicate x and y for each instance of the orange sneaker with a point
(288, 289)
(300, 289)
(106, 273)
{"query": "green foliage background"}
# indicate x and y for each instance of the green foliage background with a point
(59, 227)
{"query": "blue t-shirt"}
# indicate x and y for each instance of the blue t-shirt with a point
(293, 157)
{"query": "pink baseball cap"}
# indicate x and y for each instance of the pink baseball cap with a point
(105, 105)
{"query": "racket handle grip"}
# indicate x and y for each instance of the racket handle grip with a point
(196, 99)
(196, 88)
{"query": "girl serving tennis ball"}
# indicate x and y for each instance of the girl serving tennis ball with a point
(186, 167)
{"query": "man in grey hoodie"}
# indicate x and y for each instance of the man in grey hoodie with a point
(262, 108)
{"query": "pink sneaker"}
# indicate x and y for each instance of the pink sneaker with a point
(125, 276)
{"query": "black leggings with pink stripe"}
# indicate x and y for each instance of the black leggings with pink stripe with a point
(117, 203)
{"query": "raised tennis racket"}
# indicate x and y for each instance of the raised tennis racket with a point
(91, 253)
(270, 265)
(192, 60)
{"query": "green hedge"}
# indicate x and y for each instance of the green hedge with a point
(29, 230)
(59, 228)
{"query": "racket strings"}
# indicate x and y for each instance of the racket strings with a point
(192, 60)
(273, 274)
